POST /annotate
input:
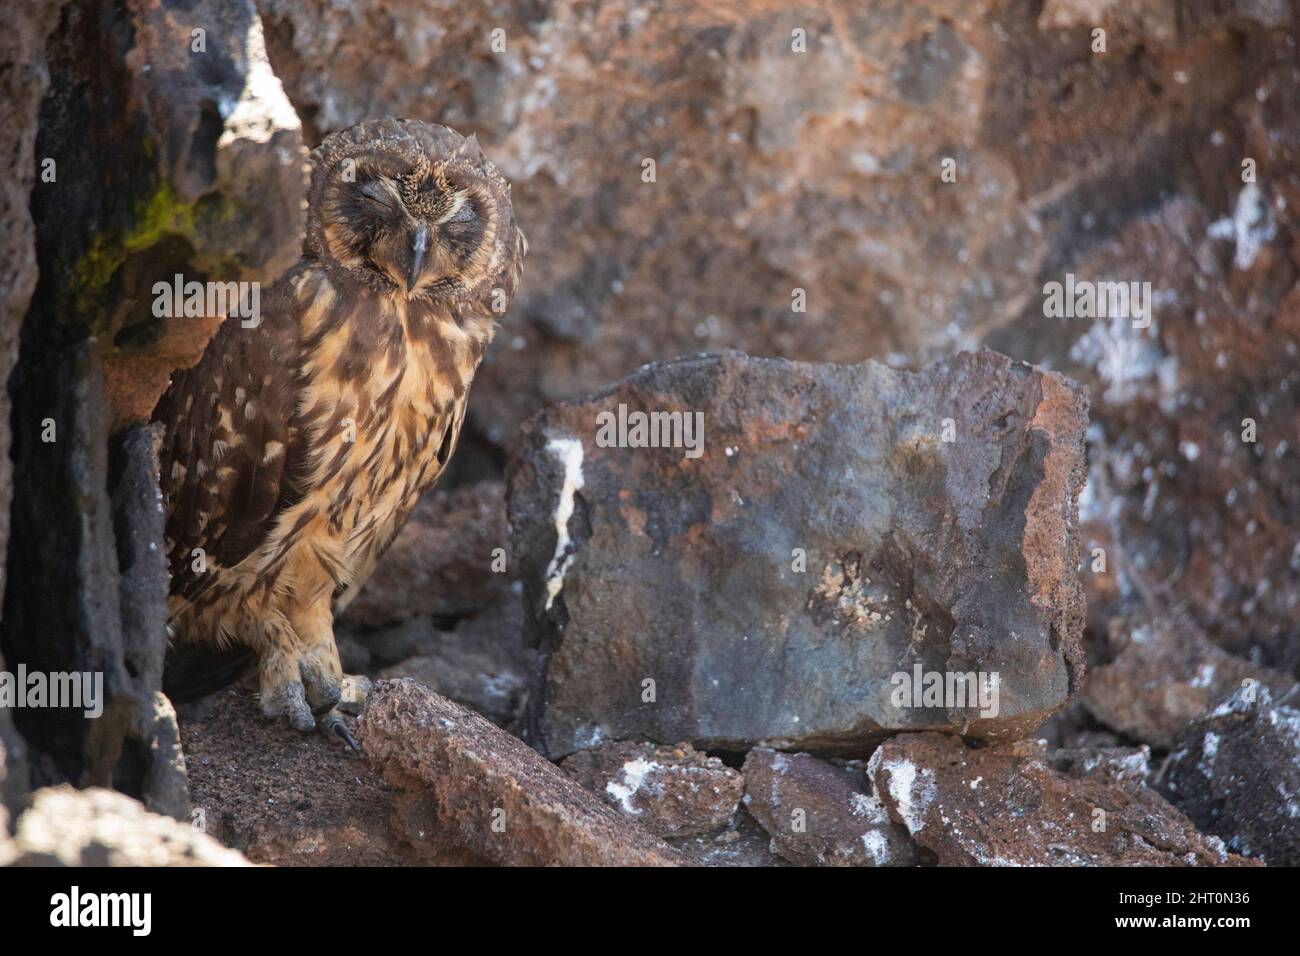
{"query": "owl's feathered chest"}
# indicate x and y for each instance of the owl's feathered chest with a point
(382, 386)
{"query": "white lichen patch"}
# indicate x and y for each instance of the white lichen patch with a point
(869, 807)
(1250, 227)
(633, 777)
(911, 790)
(877, 847)
(569, 453)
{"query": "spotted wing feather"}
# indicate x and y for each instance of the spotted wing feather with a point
(231, 445)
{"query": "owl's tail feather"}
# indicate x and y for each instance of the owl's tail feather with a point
(195, 669)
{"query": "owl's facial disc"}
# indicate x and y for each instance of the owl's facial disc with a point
(417, 230)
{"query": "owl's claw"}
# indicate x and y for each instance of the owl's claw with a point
(333, 725)
(301, 687)
(353, 692)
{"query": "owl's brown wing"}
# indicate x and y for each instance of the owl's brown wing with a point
(231, 446)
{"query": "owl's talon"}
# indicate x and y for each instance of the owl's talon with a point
(333, 725)
(293, 704)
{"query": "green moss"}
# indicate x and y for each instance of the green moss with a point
(156, 217)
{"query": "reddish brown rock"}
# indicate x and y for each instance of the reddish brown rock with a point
(291, 799)
(847, 520)
(1122, 764)
(441, 563)
(819, 814)
(671, 791)
(1164, 673)
(1236, 773)
(490, 790)
(1003, 806)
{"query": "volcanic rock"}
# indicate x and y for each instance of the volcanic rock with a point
(482, 663)
(490, 790)
(839, 527)
(671, 791)
(94, 827)
(1236, 773)
(441, 562)
(822, 815)
(1164, 673)
(1003, 806)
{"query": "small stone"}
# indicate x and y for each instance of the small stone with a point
(671, 791)
(822, 815)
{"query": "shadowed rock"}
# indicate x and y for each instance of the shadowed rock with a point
(1163, 674)
(1236, 772)
(441, 562)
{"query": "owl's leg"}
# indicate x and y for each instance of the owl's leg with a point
(328, 690)
(282, 691)
(300, 672)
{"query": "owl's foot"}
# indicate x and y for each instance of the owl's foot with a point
(333, 724)
(301, 684)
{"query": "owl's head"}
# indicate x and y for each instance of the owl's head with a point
(411, 209)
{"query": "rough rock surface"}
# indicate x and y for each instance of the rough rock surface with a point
(779, 169)
(481, 664)
(68, 827)
(1004, 806)
(671, 791)
(1236, 773)
(826, 527)
(1165, 673)
(1193, 495)
(441, 563)
(744, 844)
(23, 81)
(167, 159)
(285, 798)
(490, 790)
(231, 162)
(819, 814)
(1122, 764)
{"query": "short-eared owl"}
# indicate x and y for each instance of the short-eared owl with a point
(295, 450)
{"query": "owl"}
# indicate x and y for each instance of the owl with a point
(296, 448)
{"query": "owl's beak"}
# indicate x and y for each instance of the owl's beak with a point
(419, 249)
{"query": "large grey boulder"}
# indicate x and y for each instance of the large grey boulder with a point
(780, 583)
